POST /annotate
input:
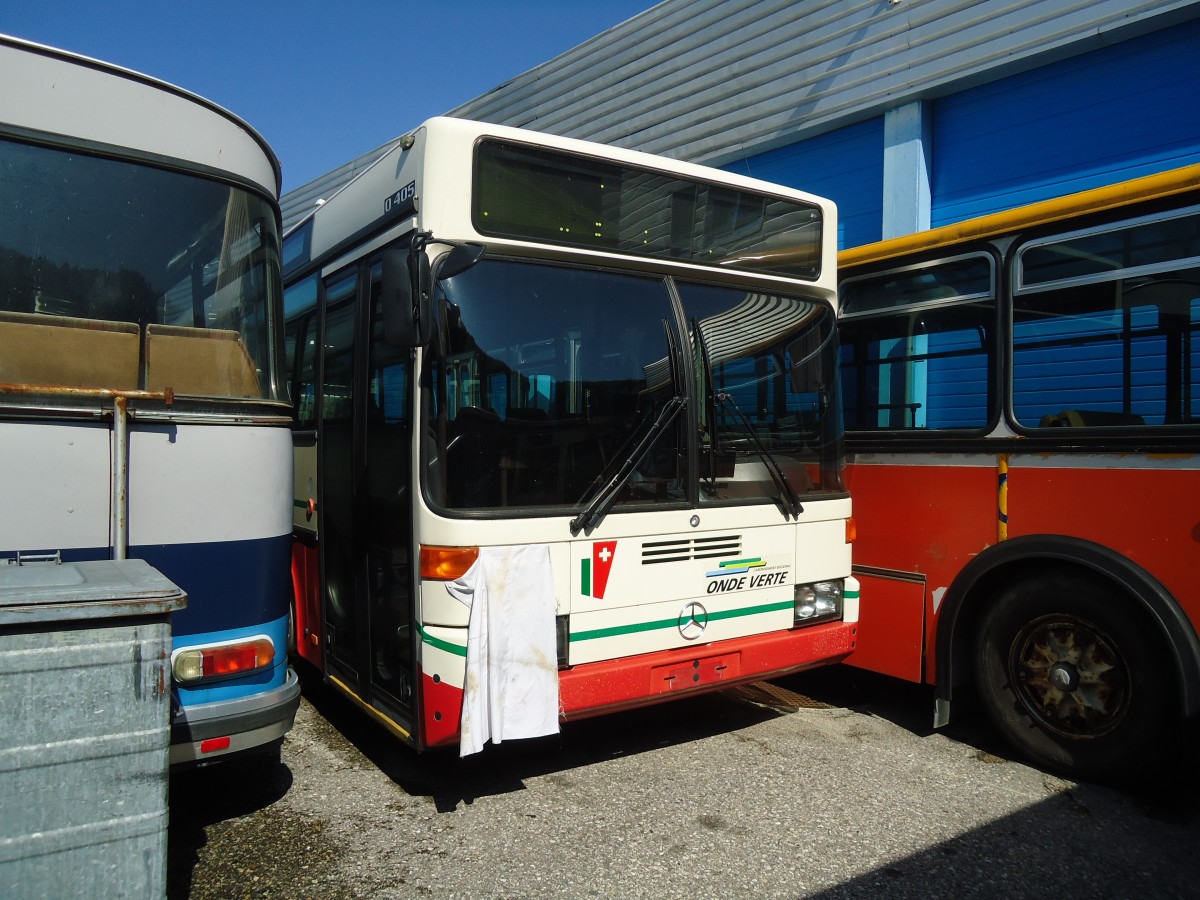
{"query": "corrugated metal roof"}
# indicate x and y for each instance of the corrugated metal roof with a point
(716, 80)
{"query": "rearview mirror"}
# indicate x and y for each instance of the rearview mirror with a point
(396, 296)
(407, 321)
(459, 259)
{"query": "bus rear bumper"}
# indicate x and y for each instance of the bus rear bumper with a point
(209, 732)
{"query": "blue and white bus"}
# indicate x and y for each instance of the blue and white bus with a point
(140, 413)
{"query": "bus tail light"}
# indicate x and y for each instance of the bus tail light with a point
(818, 602)
(446, 563)
(193, 664)
(851, 530)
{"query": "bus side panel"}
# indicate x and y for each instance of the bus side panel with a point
(306, 594)
(921, 515)
(890, 626)
(442, 713)
(442, 670)
(56, 489)
(209, 508)
(1142, 508)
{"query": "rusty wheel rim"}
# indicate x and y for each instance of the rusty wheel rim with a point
(1070, 676)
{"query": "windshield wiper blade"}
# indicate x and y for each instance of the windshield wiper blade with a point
(789, 494)
(604, 498)
(790, 500)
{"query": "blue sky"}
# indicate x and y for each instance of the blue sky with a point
(323, 82)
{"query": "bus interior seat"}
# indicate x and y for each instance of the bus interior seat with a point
(64, 351)
(1089, 418)
(206, 362)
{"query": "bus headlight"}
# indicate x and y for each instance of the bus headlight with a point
(818, 602)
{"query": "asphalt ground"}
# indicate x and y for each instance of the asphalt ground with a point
(828, 784)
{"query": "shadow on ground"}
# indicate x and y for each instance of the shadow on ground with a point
(450, 781)
(201, 799)
(234, 806)
(1169, 790)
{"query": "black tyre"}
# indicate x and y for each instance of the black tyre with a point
(1074, 677)
(291, 628)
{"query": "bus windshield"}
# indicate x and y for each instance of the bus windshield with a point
(121, 276)
(549, 379)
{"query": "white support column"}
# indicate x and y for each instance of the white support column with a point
(907, 146)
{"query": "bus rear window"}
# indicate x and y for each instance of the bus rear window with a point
(120, 276)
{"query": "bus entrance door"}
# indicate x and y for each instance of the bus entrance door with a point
(366, 523)
(387, 519)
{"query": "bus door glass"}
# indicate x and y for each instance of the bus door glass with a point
(387, 503)
(337, 470)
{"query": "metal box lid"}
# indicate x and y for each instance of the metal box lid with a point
(48, 592)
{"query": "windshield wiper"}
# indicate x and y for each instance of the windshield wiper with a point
(789, 500)
(605, 496)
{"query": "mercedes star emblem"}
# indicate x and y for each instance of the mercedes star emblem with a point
(692, 621)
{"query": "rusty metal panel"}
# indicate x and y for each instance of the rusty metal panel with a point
(84, 728)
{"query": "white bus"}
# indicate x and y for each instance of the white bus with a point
(567, 434)
(140, 408)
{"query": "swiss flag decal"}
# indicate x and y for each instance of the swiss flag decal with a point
(602, 560)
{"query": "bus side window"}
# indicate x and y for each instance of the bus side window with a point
(928, 369)
(304, 380)
(300, 313)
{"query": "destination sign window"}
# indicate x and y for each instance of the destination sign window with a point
(549, 196)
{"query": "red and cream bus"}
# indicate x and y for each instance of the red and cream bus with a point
(1022, 401)
(567, 434)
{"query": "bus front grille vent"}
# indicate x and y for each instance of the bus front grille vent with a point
(654, 552)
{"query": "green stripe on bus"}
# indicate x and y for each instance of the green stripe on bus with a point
(442, 645)
(637, 627)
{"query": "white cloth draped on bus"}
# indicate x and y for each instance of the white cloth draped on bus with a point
(511, 686)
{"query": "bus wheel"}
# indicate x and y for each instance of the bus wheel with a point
(1072, 677)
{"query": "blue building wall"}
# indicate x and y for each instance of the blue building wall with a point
(1119, 112)
(844, 165)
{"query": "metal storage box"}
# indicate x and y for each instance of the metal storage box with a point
(85, 708)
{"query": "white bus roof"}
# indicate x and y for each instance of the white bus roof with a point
(449, 143)
(66, 98)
